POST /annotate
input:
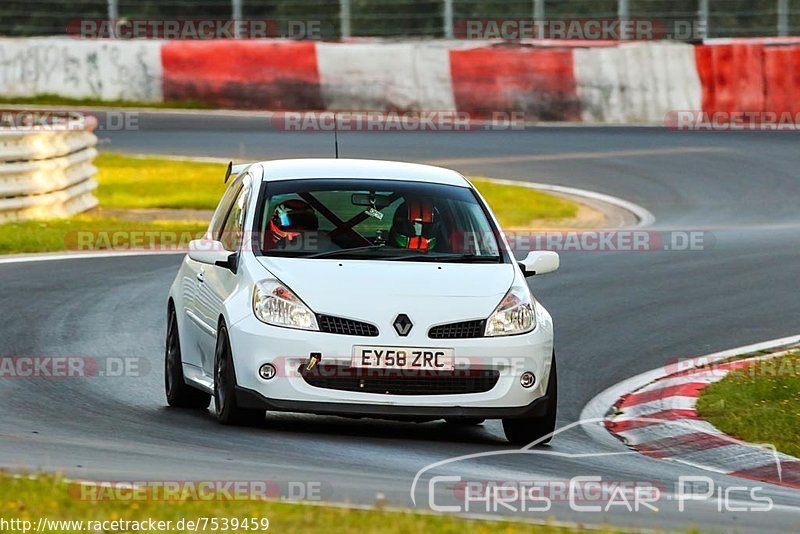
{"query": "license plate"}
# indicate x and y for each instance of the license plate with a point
(403, 358)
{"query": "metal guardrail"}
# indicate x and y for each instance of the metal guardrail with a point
(46, 174)
(403, 18)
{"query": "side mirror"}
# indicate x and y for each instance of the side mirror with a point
(539, 262)
(212, 252)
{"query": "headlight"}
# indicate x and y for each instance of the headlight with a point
(275, 304)
(514, 315)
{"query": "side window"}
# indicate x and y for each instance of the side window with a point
(233, 229)
(223, 208)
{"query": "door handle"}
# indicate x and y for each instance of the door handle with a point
(201, 276)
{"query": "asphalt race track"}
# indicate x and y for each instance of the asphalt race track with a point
(616, 313)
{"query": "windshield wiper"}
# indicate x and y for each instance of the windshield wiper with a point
(344, 251)
(470, 258)
(427, 256)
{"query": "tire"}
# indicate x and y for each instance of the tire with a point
(225, 407)
(179, 393)
(523, 431)
(464, 421)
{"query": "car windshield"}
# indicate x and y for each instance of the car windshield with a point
(374, 219)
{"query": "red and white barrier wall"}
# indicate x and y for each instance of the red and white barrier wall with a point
(558, 81)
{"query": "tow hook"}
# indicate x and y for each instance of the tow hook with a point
(314, 359)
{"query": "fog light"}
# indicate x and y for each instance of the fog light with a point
(527, 379)
(266, 371)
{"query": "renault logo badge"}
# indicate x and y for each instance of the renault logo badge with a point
(403, 325)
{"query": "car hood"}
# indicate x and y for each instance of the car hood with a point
(377, 291)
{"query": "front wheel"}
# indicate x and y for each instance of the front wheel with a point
(179, 393)
(227, 410)
(525, 430)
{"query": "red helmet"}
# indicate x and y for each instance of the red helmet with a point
(290, 219)
(414, 225)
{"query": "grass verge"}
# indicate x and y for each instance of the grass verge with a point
(127, 182)
(132, 182)
(759, 404)
(45, 496)
(47, 99)
(518, 207)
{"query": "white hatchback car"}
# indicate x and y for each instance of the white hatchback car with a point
(365, 289)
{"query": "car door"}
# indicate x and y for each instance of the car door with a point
(218, 283)
(197, 307)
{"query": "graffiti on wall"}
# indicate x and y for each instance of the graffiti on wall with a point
(108, 70)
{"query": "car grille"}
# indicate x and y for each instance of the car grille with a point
(348, 327)
(400, 381)
(462, 330)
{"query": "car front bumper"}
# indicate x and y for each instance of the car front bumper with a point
(254, 344)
